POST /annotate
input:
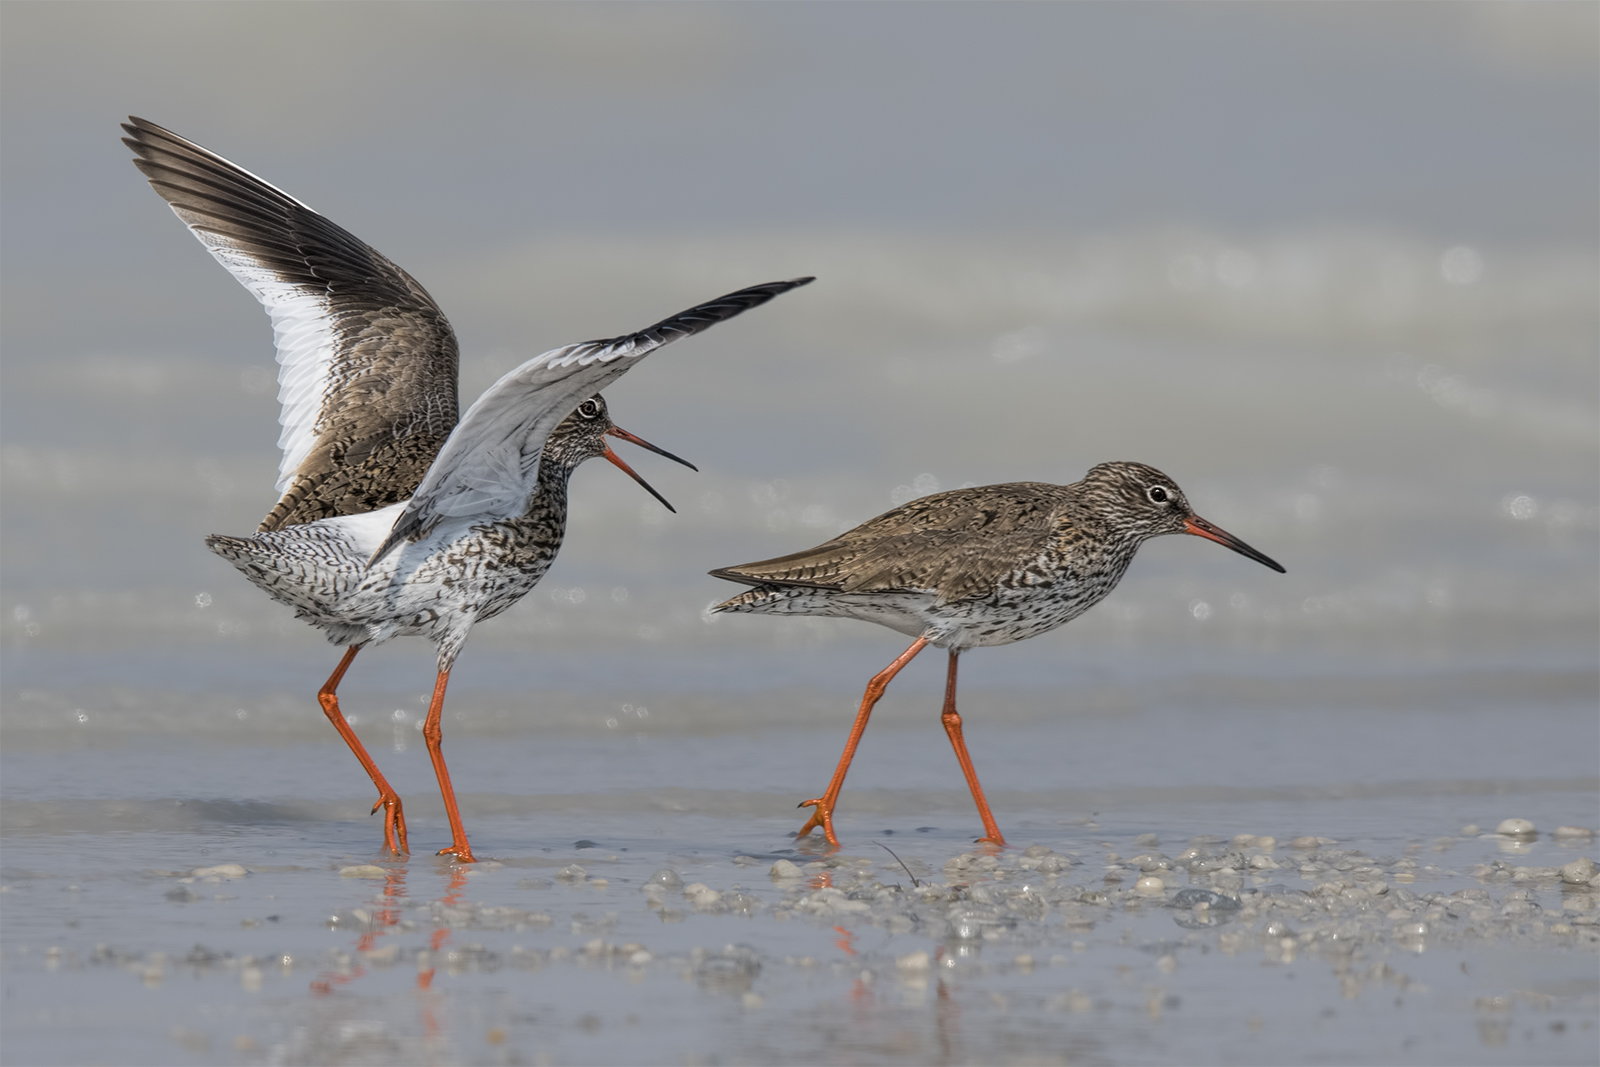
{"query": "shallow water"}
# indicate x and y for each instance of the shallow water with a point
(317, 948)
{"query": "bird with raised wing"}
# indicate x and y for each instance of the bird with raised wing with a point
(393, 519)
(980, 566)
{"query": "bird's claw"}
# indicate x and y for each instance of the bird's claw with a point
(822, 816)
(462, 853)
(394, 824)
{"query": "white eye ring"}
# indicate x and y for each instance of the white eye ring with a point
(1158, 494)
(589, 410)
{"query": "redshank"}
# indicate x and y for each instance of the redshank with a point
(348, 576)
(980, 566)
(393, 519)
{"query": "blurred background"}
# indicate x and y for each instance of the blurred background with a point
(1333, 267)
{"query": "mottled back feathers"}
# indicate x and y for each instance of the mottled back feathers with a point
(959, 544)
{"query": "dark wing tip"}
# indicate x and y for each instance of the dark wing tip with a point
(141, 132)
(708, 314)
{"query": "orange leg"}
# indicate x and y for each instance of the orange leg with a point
(952, 726)
(431, 733)
(394, 819)
(823, 816)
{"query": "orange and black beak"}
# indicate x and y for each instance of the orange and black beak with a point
(621, 434)
(1194, 524)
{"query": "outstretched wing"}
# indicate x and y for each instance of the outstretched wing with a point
(489, 467)
(959, 544)
(367, 375)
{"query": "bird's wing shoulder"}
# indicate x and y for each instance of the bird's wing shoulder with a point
(366, 357)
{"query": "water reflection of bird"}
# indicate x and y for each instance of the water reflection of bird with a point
(393, 519)
(972, 567)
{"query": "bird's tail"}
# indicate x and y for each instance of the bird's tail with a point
(779, 600)
(745, 601)
(299, 571)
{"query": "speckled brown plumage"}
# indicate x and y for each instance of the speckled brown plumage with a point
(972, 567)
(961, 543)
(364, 476)
(369, 360)
(472, 576)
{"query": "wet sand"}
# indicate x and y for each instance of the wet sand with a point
(181, 900)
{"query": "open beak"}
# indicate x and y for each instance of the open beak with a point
(623, 435)
(1194, 524)
(616, 460)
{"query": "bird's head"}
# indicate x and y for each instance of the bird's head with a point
(1139, 501)
(582, 436)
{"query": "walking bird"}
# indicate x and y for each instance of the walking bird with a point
(972, 567)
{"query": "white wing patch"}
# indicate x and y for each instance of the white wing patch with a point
(302, 331)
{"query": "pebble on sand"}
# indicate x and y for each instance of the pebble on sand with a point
(1311, 841)
(1578, 872)
(362, 870)
(1150, 885)
(701, 895)
(1516, 828)
(221, 870)
(783, 870)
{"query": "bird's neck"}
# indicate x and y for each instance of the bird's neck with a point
(555, 469)
(1111, 547)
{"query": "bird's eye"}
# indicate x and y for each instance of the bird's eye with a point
(589, 410)
(1158, 494)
